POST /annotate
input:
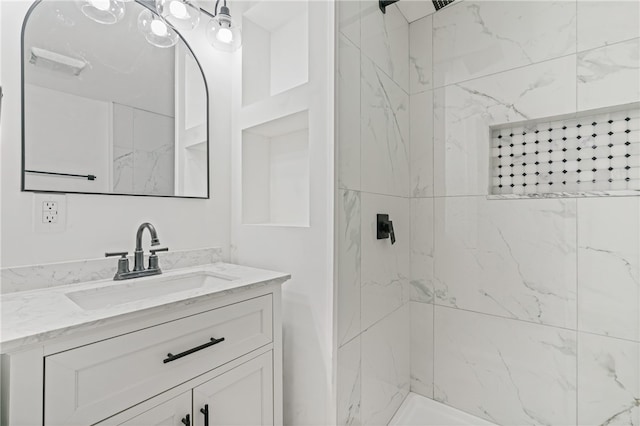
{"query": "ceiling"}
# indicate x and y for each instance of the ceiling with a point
(122, 67)
(415, 9)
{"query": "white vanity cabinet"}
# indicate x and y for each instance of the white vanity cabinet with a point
(219, 362)
(242, 395)
(169, 413)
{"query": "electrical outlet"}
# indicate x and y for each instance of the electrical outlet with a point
(49, 213)
(50, 217)
(50, 206)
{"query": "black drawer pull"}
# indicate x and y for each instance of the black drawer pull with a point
(187, 420)
(170, 357)
(205, 412)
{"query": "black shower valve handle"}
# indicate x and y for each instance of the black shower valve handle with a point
(384, 228)
(392, 234)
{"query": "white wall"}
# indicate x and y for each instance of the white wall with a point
(67, 134)
(97, 223)
(304, 251)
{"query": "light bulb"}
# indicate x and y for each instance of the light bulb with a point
(102, 11)
(156, 30)
(179, 14)
(100, 4)
(223, 32)
(225, 35)
(178, 9)
(159, 28)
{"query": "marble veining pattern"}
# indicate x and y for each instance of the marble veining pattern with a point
(609, 380)
(385, 267)
(349, 258)
(385, 367)
(122, 170)
(476, 38)
(39, 315)
(422, 250)
(384, 133)
(609, 267)
(591, 151)
(461, 163)
(554, 279)
(483, 258)
(422, 349)
(22, 278)
(421, 129)
(348, 389)
(153, 171)
(609, 75)
(420, 57)
(506, 371)
(385, 40)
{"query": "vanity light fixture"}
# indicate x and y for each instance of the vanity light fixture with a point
(102, 11)
(159, 26)
(156, 30)
(180, 14)
(222, 31)
(56, 61)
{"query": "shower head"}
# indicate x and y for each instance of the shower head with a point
(437, 4)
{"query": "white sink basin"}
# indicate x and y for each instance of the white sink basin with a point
(135, 290)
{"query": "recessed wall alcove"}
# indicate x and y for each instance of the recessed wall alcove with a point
(275, 172)
(275, 52)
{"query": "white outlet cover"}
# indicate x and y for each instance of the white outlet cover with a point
(40, 201)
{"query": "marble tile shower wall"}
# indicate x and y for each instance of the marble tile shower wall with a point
(373, 177)
(522, 311)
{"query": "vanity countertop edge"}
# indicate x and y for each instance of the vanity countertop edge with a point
(37, 316)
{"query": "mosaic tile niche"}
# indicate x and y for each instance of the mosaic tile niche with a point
(589, 153)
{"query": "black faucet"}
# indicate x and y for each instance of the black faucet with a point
(139, 270)
(138, 264)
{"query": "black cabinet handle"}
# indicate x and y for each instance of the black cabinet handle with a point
(170, 357)
(205, 412)
(187, 420)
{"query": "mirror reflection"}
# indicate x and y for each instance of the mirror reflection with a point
(106, 111)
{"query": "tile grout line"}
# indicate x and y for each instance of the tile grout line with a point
(539, 324)
(433, 221)
(577, 308)
(360, 366)
(577, 230)
(576, 53)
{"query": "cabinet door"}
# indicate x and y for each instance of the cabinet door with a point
(173, 412)
(90, 383)
(240, 397)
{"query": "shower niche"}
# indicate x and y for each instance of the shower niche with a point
(588, 153)
(275, 172)
(275, 52)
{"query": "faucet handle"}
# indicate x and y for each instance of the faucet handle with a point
(116, 253)
(153, 259)
(153, 251)
(123, 263)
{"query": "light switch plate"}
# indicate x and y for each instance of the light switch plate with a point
(49, 213)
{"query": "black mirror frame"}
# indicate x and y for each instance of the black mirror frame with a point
(149, 4)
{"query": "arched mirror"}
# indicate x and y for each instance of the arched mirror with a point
(107, 110)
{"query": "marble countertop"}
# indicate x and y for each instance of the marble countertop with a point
(38, 315)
